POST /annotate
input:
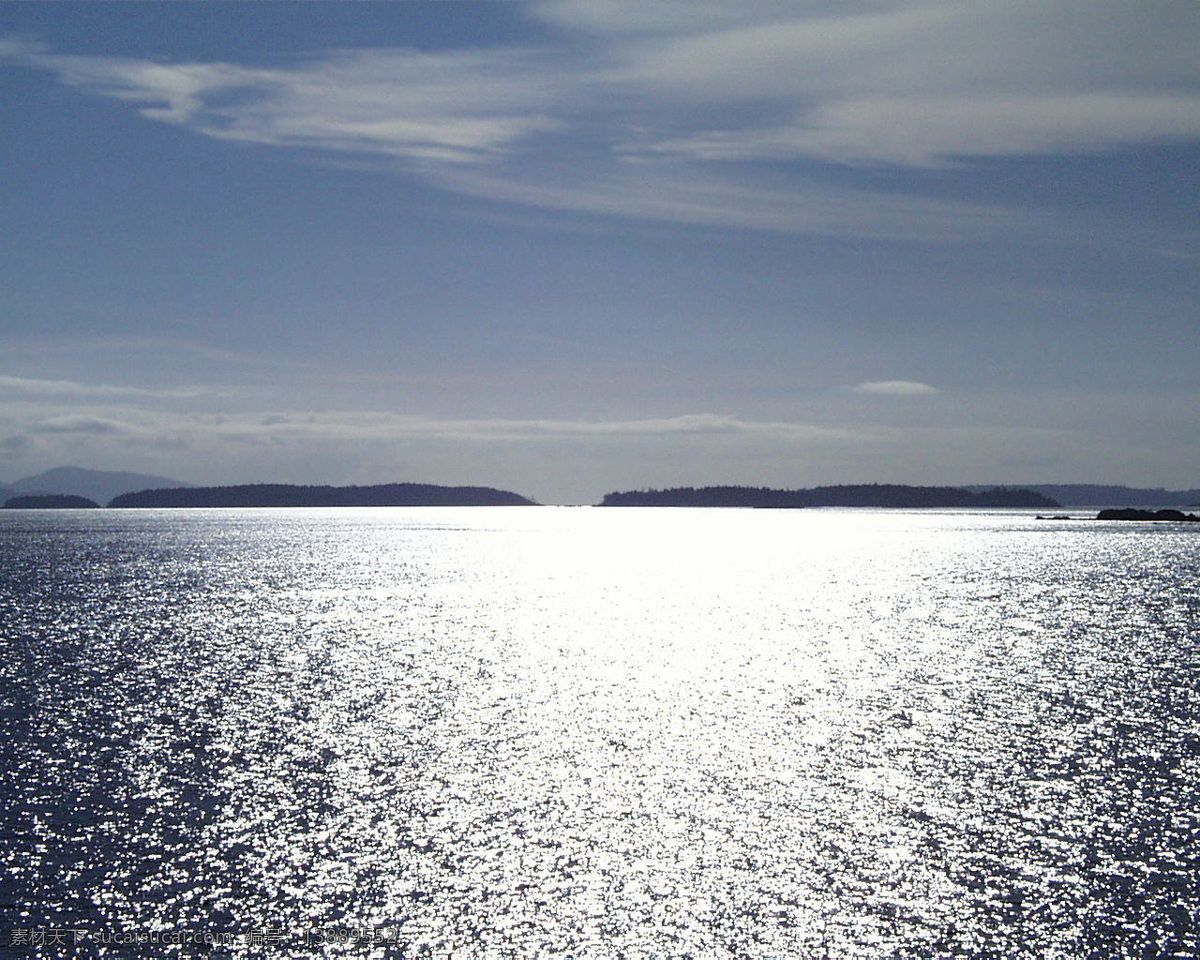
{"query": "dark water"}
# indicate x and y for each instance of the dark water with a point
(502, 733)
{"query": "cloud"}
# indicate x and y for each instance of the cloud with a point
(617, 17)
(17, 445)
(721, 198)
(374, 426)
(907, 82)
(151, 422)
(452, 107)
(936, 131)
(674, 111)
(29, 387)
(895, 388)
(92, 426)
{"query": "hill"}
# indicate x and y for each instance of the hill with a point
(289, 495)
(98, 485)
(859, 495)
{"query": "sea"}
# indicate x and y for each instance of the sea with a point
(591, 733)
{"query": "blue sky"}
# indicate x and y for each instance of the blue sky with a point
(574, 246)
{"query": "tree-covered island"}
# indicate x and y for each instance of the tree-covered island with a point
(49, 501)
(290, 495)
(856, 495)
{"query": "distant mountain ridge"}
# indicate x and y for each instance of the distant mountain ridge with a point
(290, 495)
(852, 495)
(98, 485)
(1097, 494)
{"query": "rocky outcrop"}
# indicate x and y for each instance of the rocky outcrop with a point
(1131, 513)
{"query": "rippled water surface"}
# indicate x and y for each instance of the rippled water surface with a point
(584, 733)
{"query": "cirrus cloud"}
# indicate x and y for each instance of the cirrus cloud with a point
(696, 98)
(895, 388)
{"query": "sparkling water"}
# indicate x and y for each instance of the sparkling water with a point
(598, 733)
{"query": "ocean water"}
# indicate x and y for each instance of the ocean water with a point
(598, 733)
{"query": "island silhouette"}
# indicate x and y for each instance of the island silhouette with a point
(79, 487)
(851, 495)
(50, 501)
(291, 495)
(434, 495)
(1130, 513)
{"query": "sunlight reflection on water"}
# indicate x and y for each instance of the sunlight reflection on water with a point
(605, 733)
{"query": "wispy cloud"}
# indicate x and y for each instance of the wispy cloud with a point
(895, 388)
(921, 83)
(90, 426)
(719, 197)
(56, 407)
(448, 107)
(669, 111)
(34, 388)
(938, 130)
(381, 426)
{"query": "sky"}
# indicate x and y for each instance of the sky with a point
(565, 247)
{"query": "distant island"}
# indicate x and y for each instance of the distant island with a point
(289, 495)
(859, 495)
(50, 501)
(1130, 513)
(1097, 494)
(125, 489)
